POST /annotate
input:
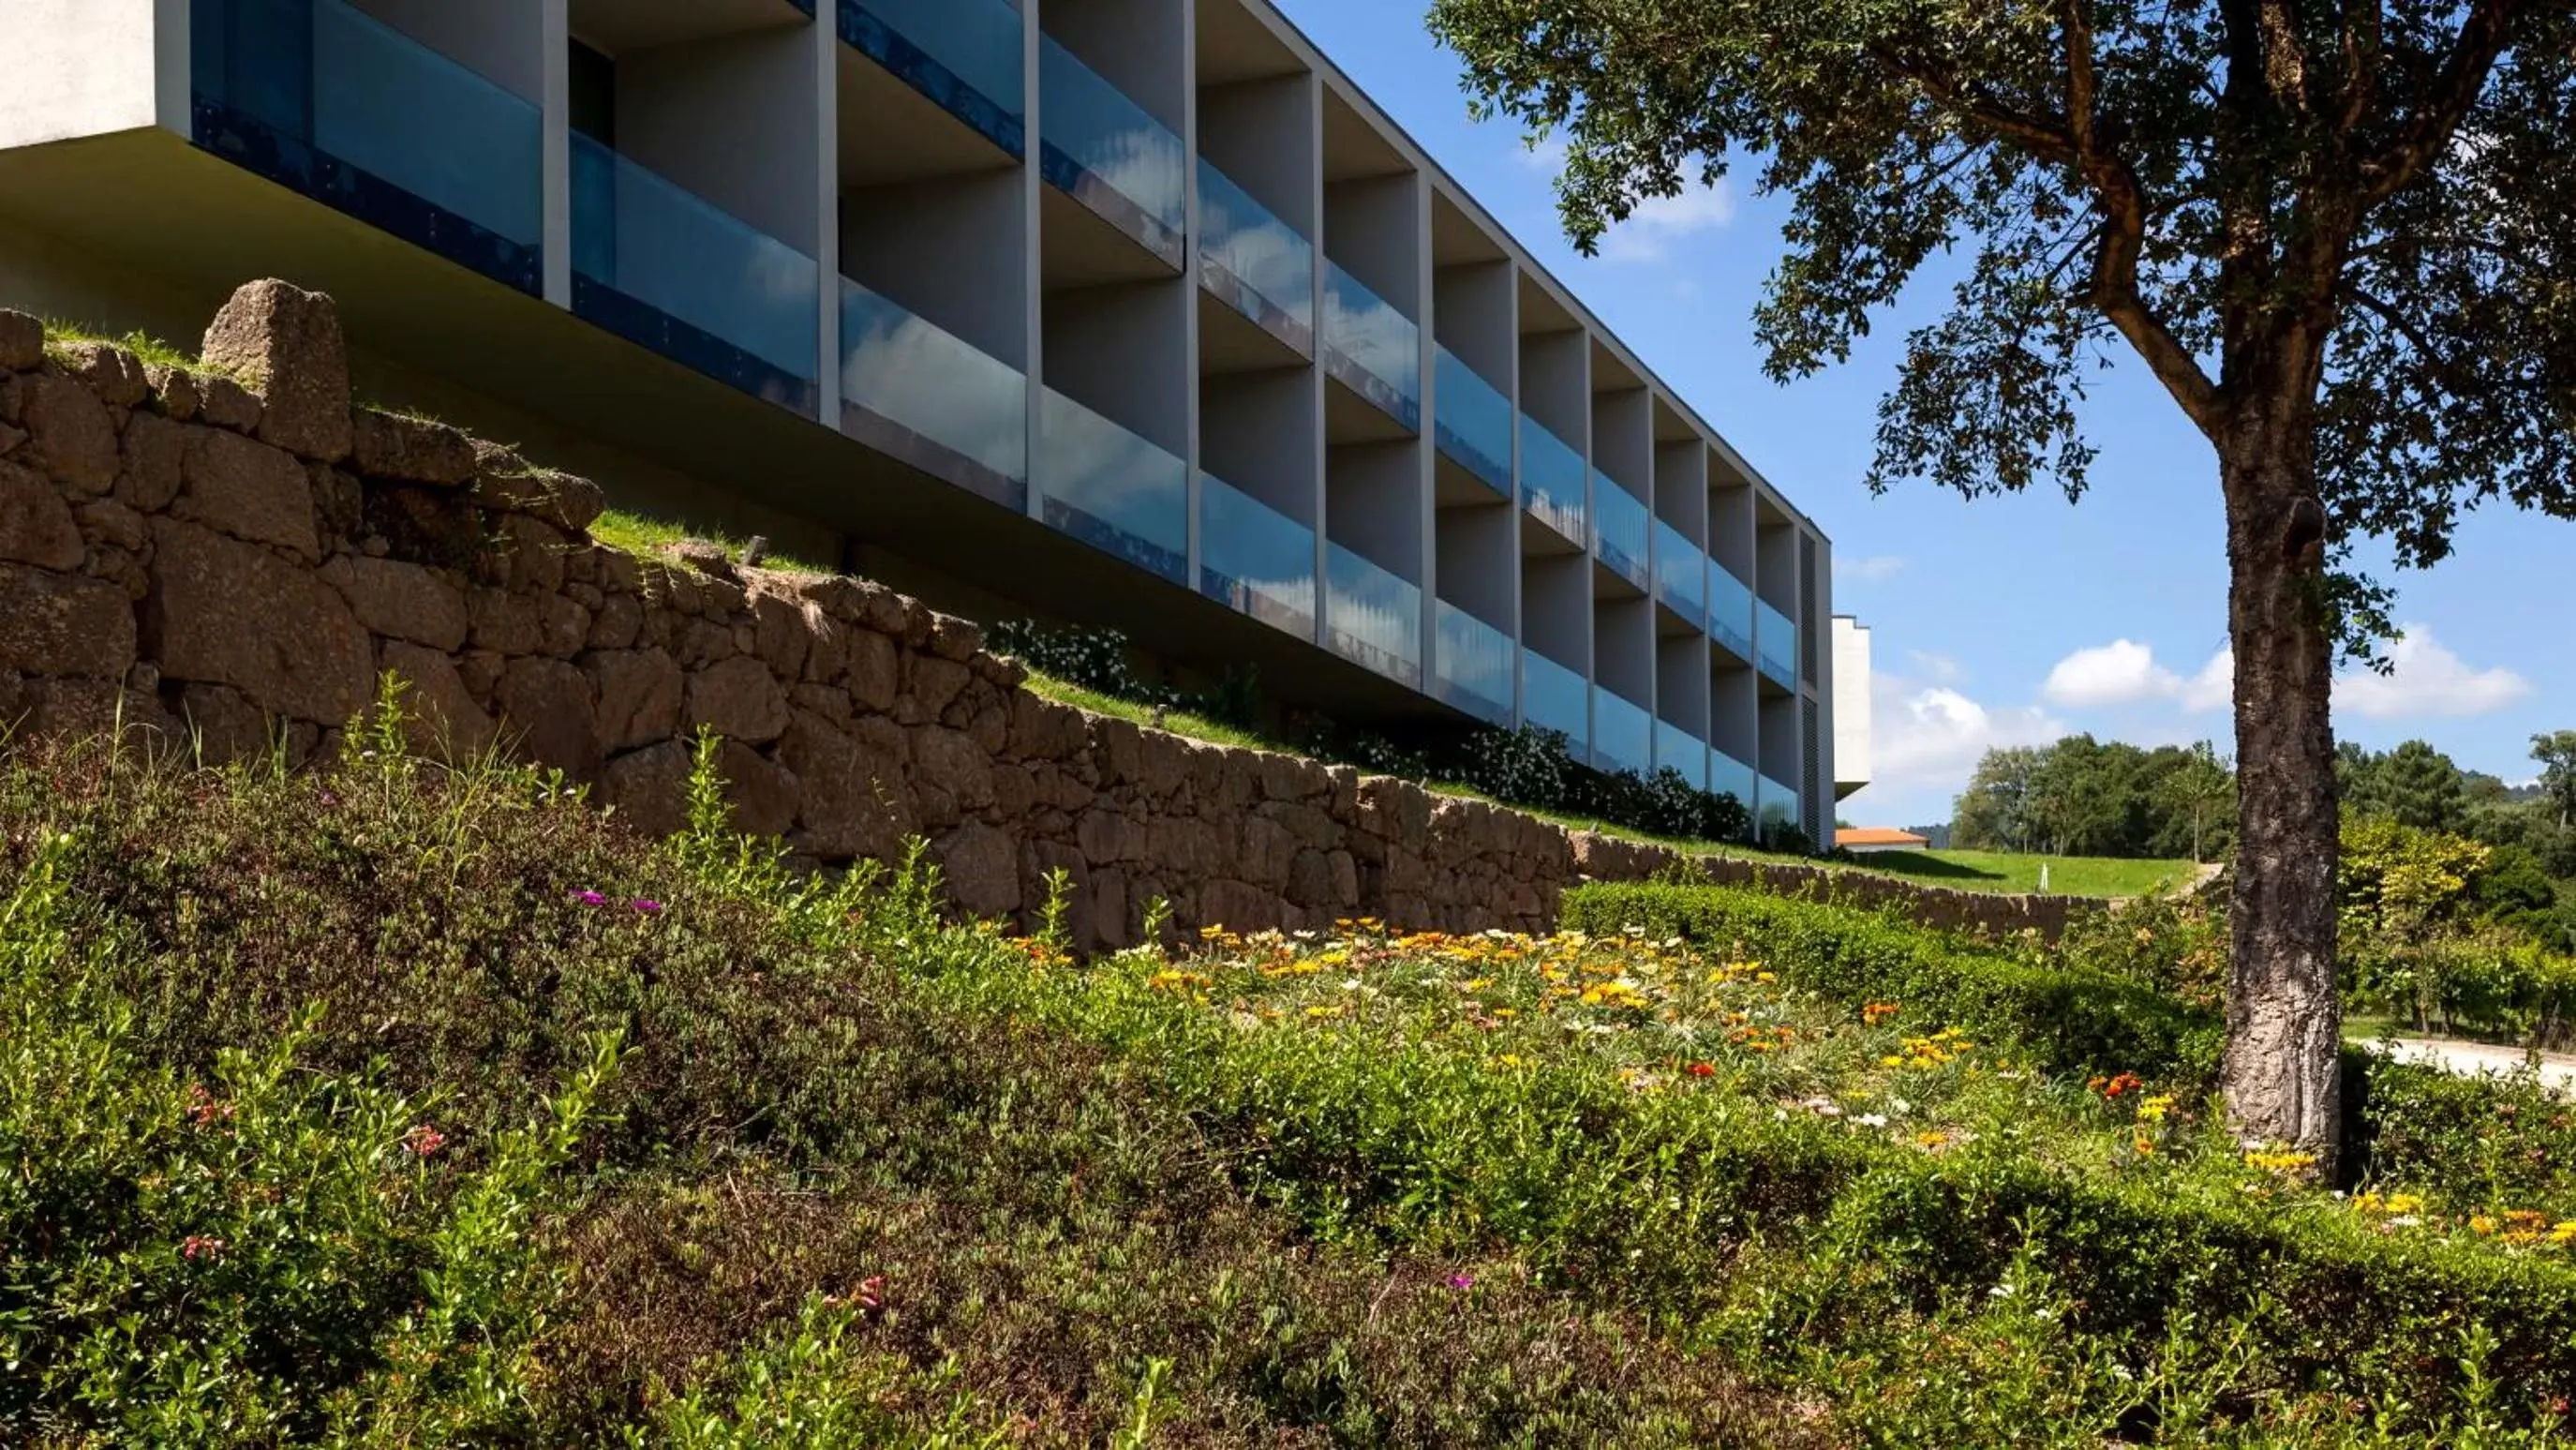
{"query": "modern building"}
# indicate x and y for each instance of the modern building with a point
(1852, 718)
(1879, 840)
(1130, 312)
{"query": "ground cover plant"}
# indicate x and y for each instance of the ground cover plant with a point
(402, 1078)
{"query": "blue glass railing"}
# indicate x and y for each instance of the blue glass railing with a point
(1255, 261)
(1730, 612)
(1556, 698)
(1255, 558)
(1621, 520)
(965, 55)
(1471, 663)
(912, 390)
(1730, 776)
(1779, 805)
(1375, 350)
(1676, 749)
(1104, 484)
(1371, 616)
(1623, 734)
(664, 267)
(1552, 482)
(1775, 644)
(1681, 574)
(1109, 153)
(1472, 420)
(351, 112)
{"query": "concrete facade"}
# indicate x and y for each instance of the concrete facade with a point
(1121, 312)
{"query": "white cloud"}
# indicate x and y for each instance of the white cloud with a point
(2214, 688)
(2125, 672)
(2429, 682)
(1650, 232)
(1930, 738)
(1939, 668)
(1877, 569)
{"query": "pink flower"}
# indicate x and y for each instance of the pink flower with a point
(199, 1246)
(590, 898)
(647, 907)
(1462, 1282)
(424, 1140)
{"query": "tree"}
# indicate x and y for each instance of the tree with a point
(2335, 231)
(2200, 789)
(1993, 814)
(2413, 785)
(2557, 756)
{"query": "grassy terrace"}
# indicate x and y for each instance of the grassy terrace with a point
(402, 1106)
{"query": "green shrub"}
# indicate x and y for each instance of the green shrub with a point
(265, 1254)
(2069, 1019)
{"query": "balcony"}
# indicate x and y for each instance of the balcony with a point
(1732, 777)
(1681, 575)
(1730, 612)
(1623, 734)
(1775, 643)
(1471, 663)
(1473, 421)
(1372, 617)
(1371, 348)
(911, 390)
(1624, 530)
(1110, 154)
(1556, 698)
(1779, 806)
(1677, 750)
(965, 55)
(1552, 482)
(1255, 559)
(1256, 263)
(348, 111)
(1114, 490)
(663, 267)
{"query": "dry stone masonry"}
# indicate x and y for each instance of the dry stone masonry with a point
(231, 553)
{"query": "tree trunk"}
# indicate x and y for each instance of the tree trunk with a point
(2281, 1073)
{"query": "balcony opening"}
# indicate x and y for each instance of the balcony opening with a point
(938, 81)
(1622, 474)
(1475, 618)
(1730, 559)
(1475, 362)
(1781, 765)
(1113, 90)
(1373, 557)
(695, 218)
(1681, 524)
(1555, 422)
(1259, 207)
(932, 286)
(426, 123)
(1623, 667)
(1372, 275)
(1775, 594)
(1113, 422)
(1556, 645)
(1682, 704)
(1260, 495)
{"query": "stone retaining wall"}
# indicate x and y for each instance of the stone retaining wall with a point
(233, 551)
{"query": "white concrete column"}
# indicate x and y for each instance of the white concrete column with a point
(555, 22)
(824, 42)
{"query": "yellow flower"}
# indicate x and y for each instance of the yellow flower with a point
(1931, 1140)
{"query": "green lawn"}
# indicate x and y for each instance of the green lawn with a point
(2067, 875)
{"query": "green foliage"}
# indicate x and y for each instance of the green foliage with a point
(645, 536)
(2072, 1019)
(268, 1253)
(2556, 753)
(2083, 798)
(2414, 785)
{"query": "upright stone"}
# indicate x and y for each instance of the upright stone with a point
(284, 343)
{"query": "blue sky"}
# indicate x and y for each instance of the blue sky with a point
(2007, 620)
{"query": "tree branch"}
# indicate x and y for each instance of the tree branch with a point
(2455, 90)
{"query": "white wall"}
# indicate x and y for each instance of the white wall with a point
(72, 68)
(1852, 733)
